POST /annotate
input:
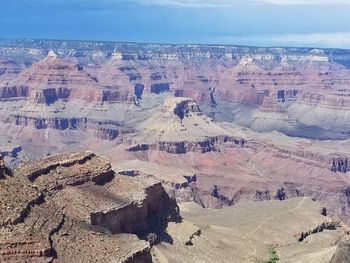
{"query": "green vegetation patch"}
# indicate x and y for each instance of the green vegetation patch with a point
(273, 257)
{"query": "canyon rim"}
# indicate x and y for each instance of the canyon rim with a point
(134, 152)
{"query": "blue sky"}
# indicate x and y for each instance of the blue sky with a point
(318, 23)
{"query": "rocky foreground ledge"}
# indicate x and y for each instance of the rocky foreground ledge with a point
(72, 208)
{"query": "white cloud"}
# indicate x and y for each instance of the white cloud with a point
(330, 40)
(232, 3)
(339, 39)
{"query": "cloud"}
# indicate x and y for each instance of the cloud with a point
(233, 3)
(338, 39)
(325, 40)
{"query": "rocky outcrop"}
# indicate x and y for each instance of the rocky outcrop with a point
(50, 96)
(15, 92)
(318, 229)
(287, 95)
(216, 193)
(208, 145)
(4, 170)
(115, 96)
(106, 133)
(160, 88)
(103, 130)
(150, 213)
(2, 166)
(52, 79)
(220, 196)
(40, 215)
(340, 165)
(49, 174)
(47, 167)
(183, 108)
(53, 123)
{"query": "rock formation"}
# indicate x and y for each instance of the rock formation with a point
(179, 127)
(340, 165)
(2, 167)
(53, 208)
(264, 88)
(53, 79)
(4, 170)
(217, 125)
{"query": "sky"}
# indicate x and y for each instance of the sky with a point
(308, 23)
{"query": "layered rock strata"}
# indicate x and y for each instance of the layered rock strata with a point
(51, 204)
(285, 89)
(207, 145)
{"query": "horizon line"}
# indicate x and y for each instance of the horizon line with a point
(169, 44)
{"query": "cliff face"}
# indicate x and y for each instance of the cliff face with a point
(285, 89)
(102, 130)
(61, 95)
(209, 144)
(39, 215)
(52, 79)
(152, 211)
(4, 171)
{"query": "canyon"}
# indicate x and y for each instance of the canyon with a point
(203, 127)
(74, 208)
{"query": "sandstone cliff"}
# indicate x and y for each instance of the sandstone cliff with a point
(64, 208)
(285, 89)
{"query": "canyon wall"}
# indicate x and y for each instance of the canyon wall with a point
(39, 216)
(285, 89)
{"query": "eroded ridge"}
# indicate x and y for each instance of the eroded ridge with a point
(48, 205)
